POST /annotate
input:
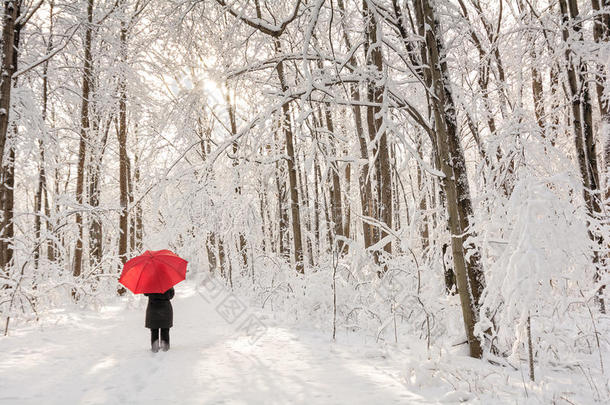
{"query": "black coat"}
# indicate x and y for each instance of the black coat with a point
(159, 312)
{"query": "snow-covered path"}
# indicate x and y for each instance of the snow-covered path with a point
(104, 358)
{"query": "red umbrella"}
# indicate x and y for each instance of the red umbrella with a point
(154, 271)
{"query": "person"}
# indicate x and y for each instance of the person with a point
(159, 317)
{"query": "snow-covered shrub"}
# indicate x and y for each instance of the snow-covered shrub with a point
(539, 266)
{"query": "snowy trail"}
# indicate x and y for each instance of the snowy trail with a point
(103, 358)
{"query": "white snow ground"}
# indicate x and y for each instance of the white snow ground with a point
(103, 357)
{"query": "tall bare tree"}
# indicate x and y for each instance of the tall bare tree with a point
(41, 191)
(469, 275)
(122, 138)
(582, 122)
(231, 106)
(84, 135)
(374, 118)
(601, 35)
(10, 45)
(335, 183)
(9, 24)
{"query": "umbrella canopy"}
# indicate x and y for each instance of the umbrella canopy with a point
(154, 271)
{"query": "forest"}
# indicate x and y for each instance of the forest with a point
(408, 172)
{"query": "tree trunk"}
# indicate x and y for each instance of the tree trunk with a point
(583, 127)
(316, 205)
(210, 243)
(40, 194)
(346, 204)
(8, 170)
(7, 201)
(383, 169)
(335, 184)
(225, 265)
(233, 123)
(458, 164)
(366, 197)
(84, 134)
(263, 208)
(326, 203)
(11, 13)
(422, 203)
(537, 94)
(469, 274)
(601, 34)
(306, 218)
(530, 347)
(41, 191)
(122, 137)
(395, 195)
(132, 219)
(7, 167)
(210, 246)
(49, 226)
(280, 183)
(95, 230)
(139, 226)
(292, 174)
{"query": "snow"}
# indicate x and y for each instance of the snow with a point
(104, 358)
(78, 356)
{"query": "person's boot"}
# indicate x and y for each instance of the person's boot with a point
(155, 346)
(164, 345)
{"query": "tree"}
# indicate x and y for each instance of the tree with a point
(84, 134)
(469, 275)
(122, 138)
(582, 123)
(601, 35)
(41, 191)
(9, 26)
(10, 45)
(14, 21)
(378, 137)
